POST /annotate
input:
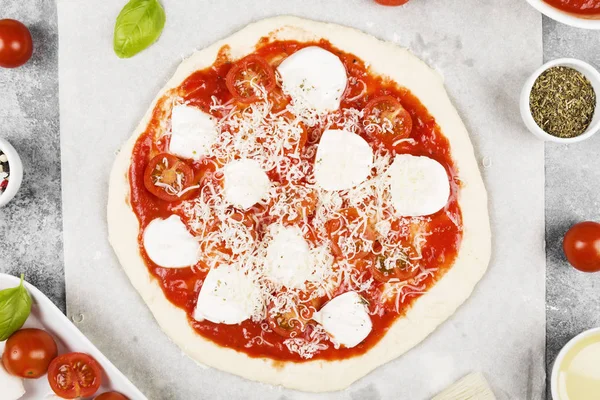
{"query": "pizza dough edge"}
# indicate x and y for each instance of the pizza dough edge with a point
(429, 311)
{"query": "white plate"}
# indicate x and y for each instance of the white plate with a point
(45, 315)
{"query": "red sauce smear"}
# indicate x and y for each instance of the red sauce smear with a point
(584, 7)
(181, 286)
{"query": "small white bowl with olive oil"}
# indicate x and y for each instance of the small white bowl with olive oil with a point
(576, 371)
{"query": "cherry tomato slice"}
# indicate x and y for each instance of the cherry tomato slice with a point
(166, 176)
(337, 229)
(291, 323)
(387, 120)
(111, 396)
(16, 45)
(248, 77)
(582, 246)
(28, 353)
(392, 2)
(74, 375)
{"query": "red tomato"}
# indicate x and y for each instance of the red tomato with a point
(74, 375)
(387, 120)
(110, 396)
(248, 75)
(169, 170)
(28, 353)
(392, 2)
(294, 322)
(304, 208)
(16, 46)
(338, 228)
(400, 272)
(582, 246)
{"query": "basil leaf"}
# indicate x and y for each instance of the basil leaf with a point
(15, 307)
(139, 24)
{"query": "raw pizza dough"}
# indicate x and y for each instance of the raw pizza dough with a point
(427, 312)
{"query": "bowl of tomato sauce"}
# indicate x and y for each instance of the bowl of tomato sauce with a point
(578, 13)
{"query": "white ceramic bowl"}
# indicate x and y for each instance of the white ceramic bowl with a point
(577, 21)
(16, 172)
(586, 69)
(561, 356)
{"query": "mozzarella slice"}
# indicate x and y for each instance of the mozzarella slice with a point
(419, 185)
(346, 319)
(169, 244)
(315, 78)
(288, 260)
(343, 160)
(193, 132)
(246, 183)
(228, 296)
(11, 387)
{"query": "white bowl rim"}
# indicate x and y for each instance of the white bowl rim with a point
(16, 172)
(593, 76)
(564, 17)
(561, 355)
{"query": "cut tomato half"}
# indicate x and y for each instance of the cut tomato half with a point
(381, 272)
(338, 231)
(291, 323)
(249, 78)
(74, 375)
(167, 177)
(387, 120)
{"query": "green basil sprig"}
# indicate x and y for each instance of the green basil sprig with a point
(139, 24)
(15, 307)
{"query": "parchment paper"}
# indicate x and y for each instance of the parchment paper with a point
(484, 48)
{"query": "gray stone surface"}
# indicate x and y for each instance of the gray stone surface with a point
(572, 182)
(31, 225)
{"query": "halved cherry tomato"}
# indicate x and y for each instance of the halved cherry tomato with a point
(166, 176)
(288, 324)
(294, 322)
(387, 120)
(392, 2)
(28, 353)
(582, 246)
(110, 396)
(337, 229)
(248, 77)
(74, 375)
(16, 45)
(304, 207)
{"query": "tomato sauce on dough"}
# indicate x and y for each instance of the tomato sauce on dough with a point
(181, 286)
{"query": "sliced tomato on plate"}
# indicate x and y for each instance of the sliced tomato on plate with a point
(167, 177)
(110, 396)
(387, 120)
(338, 231)
(249, 77)
(74, 375)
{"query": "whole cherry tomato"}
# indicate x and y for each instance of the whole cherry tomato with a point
(28, 353)
(582, 246)
(16, 45)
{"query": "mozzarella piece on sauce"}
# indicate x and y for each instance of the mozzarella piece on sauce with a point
(169, 244)
(246, 183)
(419, 185)
(343, 160)
(288, 260)
(11, 387)
(228, 296)
(193, 132)
(315, 78)
(346, 319)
